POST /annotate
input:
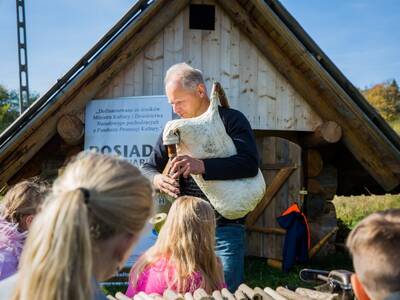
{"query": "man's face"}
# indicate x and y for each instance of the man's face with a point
(185, 103)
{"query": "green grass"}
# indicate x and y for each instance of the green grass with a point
(352, 210)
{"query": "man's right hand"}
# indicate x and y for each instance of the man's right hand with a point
(166, 184)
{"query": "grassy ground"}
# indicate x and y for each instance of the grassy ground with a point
(353, 209)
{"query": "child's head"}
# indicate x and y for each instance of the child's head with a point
(375, 244)
(22, 201)
(187, 239)
(85, 229)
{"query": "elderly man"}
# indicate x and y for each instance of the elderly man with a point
(188, 97)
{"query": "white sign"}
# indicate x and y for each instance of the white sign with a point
(127, 127)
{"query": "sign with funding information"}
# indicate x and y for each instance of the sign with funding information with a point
(128, 127)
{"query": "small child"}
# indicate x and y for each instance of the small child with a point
(183, 257)
(19, 206)
(374, 245)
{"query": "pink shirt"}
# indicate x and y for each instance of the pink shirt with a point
(153, 279)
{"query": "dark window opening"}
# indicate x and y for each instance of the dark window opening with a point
(202, 16)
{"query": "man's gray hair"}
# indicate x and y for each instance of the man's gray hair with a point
(189, 77)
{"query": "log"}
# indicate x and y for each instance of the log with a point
(217, 295)
(249, 292)
(227, 294)
(314, 163)
(201, 294)
(266, 230)
(316, 294)
(145, 296)
(171, 295)
(325, 183)
(138, 297)
(274, 263)
(109, 297)
(156, 296)
(71, 129)
(239, 295)
(121, 296)
(327, 133)
(264, 295)
(314, 206)
(290, 294)
(274, 294)
(272, 189)
(188, 296)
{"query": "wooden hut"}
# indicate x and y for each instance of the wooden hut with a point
(313, 127)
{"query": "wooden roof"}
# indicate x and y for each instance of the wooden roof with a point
(275, 33)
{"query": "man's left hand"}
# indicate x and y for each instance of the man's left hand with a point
(185, 165)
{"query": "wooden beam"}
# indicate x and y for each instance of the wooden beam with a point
(96, 76)
(319, 89)
(272, 189)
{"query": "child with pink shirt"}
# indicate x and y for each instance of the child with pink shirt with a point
(183, 257)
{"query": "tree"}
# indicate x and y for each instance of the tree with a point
(9, 106)
(385, 97)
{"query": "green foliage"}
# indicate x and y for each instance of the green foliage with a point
(9, 109)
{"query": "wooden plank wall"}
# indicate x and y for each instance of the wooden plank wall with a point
(275, 151)
(225, 54)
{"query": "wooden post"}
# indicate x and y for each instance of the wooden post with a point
(274, 263)
(314, 163)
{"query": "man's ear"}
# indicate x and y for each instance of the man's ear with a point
(358, 289)
(201, 90)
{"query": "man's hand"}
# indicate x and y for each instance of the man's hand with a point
(166, 184)
(186, 165)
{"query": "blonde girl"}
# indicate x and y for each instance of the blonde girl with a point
(18, 208)
(85, 231)
(183, 257)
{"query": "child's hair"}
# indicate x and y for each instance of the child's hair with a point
(95, 198)
(187, 240)
(374, 244)
(23, 199)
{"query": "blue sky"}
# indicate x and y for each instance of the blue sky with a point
(362, 37)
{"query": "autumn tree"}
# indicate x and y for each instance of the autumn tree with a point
(385, 97)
